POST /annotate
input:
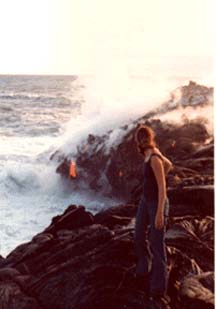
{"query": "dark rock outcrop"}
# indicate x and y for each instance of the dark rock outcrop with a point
(72, 218)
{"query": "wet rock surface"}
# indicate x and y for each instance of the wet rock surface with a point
(87, 261)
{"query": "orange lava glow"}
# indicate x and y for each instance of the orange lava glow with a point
(72, 171)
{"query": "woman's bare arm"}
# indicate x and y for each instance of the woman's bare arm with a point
(158, 169)
(167, 165)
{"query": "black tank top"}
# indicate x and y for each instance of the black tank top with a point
(150, 187)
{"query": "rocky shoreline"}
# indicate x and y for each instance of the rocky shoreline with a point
(86, 261)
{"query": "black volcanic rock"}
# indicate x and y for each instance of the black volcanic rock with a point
(193, 199)
(63, 168)
(72, 218)
(193, 236)
(195, 294)
(12, 290)
(92, 266)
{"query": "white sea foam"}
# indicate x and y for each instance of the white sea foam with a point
(31, 194)
(180, 115)
(111, 102)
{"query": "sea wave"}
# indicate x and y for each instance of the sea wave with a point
(35, 97)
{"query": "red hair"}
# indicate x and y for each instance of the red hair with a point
(144, 137)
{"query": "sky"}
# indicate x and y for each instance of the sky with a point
(83, 36)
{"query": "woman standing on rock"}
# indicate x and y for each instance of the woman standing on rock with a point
(152, 210)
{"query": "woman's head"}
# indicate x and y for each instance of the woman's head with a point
(144, 137)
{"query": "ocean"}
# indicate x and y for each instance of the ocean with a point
(34, 110)
(39, 115)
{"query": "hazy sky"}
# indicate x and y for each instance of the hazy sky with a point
(79, 36)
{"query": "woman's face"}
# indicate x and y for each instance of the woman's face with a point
(145, 140)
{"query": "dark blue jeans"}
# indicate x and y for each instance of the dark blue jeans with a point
(150, 246)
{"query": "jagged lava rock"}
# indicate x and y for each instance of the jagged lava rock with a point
(91, 265)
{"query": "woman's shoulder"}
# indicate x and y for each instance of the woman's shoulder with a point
(156, 153)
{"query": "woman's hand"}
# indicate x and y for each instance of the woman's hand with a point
(159, 220)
